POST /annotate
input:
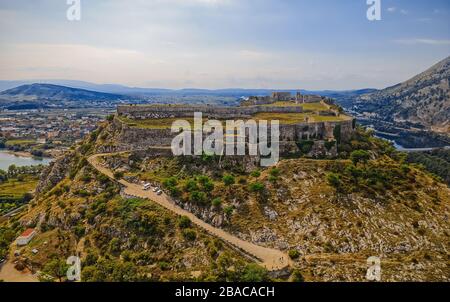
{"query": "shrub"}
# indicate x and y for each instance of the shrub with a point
(164, 266)
(216, 202)
(79, 231)
(273, 178)
(189, 234)
(358, 156)
(190, 186)
(329, 145)
(85, 178)
(255, 174)
(305, 146)
(228, 180)
(334, 180)
(102, 178)
(206, 183)
(297, 276)
(184, 222)
(228, 210)
(114, 245)
(275, 172)
(118, 175)
(257, 187)
(197, 197)
(294, 254)
(254, 273)
(170, 182)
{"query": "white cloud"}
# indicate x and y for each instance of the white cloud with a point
(423, 41)
(391, 9)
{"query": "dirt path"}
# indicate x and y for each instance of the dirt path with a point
(9, 274)
(271, 259)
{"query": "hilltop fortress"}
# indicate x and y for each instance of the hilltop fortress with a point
(304, 120)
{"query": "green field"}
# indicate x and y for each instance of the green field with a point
(13, 191)
(16, 142)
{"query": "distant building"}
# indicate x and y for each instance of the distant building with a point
(281, 96)
(26, 237)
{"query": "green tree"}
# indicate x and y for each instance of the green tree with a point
(254, 273)
(56, 268)
(197, 197)
(337, 134)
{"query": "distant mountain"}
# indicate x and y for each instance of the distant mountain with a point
(49, 95)
(138, 91)
(422, 100)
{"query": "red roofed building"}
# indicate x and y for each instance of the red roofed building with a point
(26, 237)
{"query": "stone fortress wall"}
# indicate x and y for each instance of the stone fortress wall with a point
(211, 112)
(141, 138)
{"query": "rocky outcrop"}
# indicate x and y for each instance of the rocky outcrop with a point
(53, 174)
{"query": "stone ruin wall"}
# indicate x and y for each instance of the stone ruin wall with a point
(140, 138)
(212, 112)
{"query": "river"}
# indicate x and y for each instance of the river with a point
(7, 159)
(403, 149)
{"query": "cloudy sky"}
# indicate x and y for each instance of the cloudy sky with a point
(310, 44)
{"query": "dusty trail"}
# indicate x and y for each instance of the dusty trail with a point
(271, 259)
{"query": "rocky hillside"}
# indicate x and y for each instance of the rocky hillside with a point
(423, 100)
(330, 215)
(119, 238)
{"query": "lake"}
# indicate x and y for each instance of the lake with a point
(7, 159)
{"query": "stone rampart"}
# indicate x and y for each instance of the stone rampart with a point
(212, 112)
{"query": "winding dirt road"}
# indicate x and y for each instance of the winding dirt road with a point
(271, 259)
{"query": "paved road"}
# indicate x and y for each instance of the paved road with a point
(271, 259)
